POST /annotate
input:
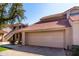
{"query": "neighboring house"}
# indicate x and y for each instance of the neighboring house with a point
(59, 30)
(10, 31)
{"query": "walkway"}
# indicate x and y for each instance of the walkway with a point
(17, 53)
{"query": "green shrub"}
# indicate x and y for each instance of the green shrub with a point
(75, 50)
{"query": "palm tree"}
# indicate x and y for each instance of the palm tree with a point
(11, 13)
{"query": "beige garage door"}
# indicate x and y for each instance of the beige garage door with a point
(50, 39)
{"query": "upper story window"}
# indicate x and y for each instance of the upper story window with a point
(73, 14)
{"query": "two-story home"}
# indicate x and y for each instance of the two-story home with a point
(59, 30)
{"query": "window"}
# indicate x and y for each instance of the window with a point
(73, 14)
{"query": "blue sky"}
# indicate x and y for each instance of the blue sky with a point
(34, 11)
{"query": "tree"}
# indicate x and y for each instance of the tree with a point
(11, 13)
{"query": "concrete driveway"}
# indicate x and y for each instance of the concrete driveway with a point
(36, 50)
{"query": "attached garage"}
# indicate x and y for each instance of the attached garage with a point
(51, 34)
(49, 38)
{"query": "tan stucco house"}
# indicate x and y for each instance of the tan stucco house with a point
(59, 30)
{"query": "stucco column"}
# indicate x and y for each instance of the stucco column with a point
(23, 38)
(68, 38)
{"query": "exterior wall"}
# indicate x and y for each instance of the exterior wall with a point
(1, 37)
(26, 38)
(75, 28)
(7, 29)
(68, 14)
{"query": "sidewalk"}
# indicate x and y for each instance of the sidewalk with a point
(17, 53)
(4, 43)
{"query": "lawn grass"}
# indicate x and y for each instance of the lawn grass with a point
(3, 49)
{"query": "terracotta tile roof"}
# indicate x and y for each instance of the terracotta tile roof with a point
(74, 18)
(73, 8)
(53, 17)
(58, 16)
(1, 31)
(47, 22)
(48, 25)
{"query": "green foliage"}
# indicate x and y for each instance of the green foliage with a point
(11, 13)
(3, 49)
(75, 51)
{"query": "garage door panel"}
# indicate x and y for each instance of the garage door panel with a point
(50, 39)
